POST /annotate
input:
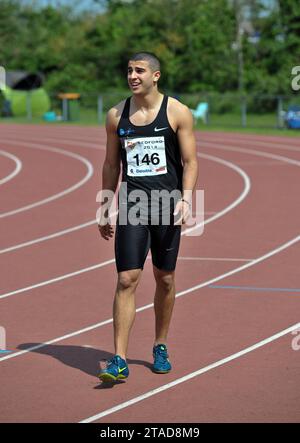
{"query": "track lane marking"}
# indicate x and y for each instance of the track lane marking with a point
(223, 212)
(17, 169)
(254, 288)
(294, 240)
(215, 216)
(87, 163)
(215, 258)
(99, 146)
(252, 152)
(230, 207)
(92, 327)
(191, 375)
(98, 266)
(47, 237)
(259, 143)
(235, 203)
(143, 308)
(92, 145)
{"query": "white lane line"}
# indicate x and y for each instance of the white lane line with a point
(93, 222)
(228, 208)
(95, 326)
(145, 307)
(215, 259)
(55, 234)
(81, 144)
(93, 142)
(251, 151)
(88, 164)
(245, 266)
(101, 265)
(99, 146)
(57, 279)
(235, 203)
(47, 237)
(209, 258)
(259, 143)
(15, 171)
(191, 375)
(16, 354)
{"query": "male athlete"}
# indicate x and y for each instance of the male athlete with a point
(151, 134)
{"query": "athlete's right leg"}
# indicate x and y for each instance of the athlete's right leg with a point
(124, 309)
(131, 248)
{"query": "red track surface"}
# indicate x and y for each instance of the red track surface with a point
(57, 382)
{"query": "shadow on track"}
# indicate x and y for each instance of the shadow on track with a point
(83, 358)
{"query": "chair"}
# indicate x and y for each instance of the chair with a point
(201, 111)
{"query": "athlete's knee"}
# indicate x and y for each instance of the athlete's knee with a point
(128, 279)
(164, 280)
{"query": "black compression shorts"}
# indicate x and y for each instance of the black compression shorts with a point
(132, 244)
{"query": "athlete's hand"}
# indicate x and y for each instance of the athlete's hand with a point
(183, 209)
(106, 230)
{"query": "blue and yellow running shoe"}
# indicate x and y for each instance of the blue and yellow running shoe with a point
(116, 369)
(161, 363)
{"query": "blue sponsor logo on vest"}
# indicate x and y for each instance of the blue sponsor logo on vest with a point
(125, 132)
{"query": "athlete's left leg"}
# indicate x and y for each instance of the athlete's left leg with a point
(165, 242)
(164, 300)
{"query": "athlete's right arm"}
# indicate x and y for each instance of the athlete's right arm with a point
(111, 168)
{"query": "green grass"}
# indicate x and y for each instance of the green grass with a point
(88, 117)
(252, 120)
(255, 124)
(258, 131)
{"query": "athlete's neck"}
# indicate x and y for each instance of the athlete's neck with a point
(147, 102)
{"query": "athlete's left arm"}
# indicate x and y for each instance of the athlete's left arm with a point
(187, 143)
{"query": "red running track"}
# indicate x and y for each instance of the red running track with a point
(237, 285)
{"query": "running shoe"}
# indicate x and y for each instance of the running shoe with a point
(161, 363)
(116, 369)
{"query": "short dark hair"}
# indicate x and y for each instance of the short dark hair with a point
(151, 58)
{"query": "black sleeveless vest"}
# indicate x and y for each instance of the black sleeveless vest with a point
(165, 164)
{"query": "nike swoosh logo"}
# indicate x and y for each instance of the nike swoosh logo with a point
(159, 129)
(121, 370)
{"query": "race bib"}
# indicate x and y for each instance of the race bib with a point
(146, 156)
